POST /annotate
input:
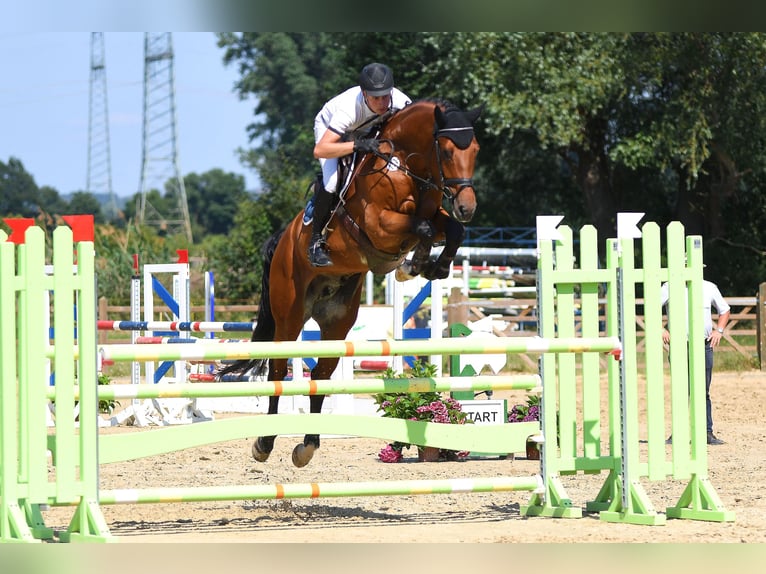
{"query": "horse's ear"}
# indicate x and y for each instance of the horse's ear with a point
(439, 115)
(473, 115)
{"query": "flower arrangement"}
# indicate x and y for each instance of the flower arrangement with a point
(526, 412)
(428, 407)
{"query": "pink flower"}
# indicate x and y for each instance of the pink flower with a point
(390, 454)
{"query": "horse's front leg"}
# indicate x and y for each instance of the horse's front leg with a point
(454, 234)
(425, 232)
(304, 452)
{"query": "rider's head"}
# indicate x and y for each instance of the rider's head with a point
(377, 81)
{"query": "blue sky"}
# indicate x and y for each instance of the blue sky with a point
(44, 99)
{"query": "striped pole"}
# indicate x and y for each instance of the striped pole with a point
(319, 490)
(157, 340)
(211, 378)
(193, 326)
(316, 387)
(290, 349)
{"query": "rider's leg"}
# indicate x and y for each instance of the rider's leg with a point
(323, 202)
(308, 211)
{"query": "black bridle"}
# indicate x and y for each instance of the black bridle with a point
(459, 183)
(447, 183)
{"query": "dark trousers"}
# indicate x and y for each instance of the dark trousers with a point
(708, 379)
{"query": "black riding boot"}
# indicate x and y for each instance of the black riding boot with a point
(318, 255)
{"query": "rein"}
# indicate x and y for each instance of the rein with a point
(459, 183)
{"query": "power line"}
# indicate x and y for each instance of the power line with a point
(159, 158)
(99, 178)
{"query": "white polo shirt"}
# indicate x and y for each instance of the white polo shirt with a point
(347, 111)
(711, 297)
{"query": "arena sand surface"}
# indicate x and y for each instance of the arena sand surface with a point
(737, 470)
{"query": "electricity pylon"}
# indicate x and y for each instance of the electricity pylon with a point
(99, 178)
(159, 161)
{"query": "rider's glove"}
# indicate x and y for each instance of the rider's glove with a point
(364, 146)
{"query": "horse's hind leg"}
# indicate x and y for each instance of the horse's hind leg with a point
(263, 445)
(335, 315)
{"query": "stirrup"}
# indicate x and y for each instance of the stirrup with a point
(308, 212)
(318, 256)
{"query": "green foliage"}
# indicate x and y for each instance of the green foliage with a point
(581, 124)
(236, 259)
(106, 406)
(114, 257)
(212, 199)
(427, 407)
(18, 191)
(415, 406)
(85, 203)
(527, 411)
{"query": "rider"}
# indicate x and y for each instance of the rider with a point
(344, 113)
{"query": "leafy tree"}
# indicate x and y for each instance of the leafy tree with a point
(51, 202)
(114, 257)
(583, 124)
(236, 259)
(18, 191)
(290, 75)
(212, 198)
(83, 202)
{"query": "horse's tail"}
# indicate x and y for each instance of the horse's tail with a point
(264, 326)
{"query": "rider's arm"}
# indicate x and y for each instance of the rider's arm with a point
(330, 146)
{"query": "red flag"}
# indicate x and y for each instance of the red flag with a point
(82, 227)
(19, 226)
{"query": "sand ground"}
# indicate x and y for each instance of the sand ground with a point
(736, 471)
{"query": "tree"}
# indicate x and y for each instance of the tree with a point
(83, 202)
(18, 191)
(290, 75)
(212, 198)
(582, 124)
(236, 259)
(51, 202)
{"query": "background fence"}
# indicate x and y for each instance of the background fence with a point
(745, 334)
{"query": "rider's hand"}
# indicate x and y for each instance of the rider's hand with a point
(366, 146)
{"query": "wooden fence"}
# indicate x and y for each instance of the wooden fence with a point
(744, 334)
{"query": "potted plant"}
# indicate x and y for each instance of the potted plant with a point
(106, 406)
(530, 411)
(428, 406)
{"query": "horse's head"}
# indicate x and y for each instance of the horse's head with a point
(456, 149)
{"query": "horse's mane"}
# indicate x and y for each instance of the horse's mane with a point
(406, 110)
(446, 105)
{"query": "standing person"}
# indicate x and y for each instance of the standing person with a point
(344, 113)
(711, 297)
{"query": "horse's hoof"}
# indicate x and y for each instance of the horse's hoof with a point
(258, 454)
(302, 454)
(402, 272)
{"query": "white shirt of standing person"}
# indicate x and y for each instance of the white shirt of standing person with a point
(711, 297)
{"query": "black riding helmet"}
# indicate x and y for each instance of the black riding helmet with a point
(376, 79)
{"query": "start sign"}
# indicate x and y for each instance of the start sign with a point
(485, 412)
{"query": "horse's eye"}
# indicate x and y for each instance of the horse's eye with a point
(447, 155)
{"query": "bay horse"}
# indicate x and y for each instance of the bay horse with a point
(393, 205)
